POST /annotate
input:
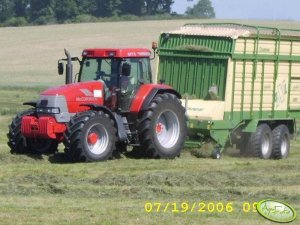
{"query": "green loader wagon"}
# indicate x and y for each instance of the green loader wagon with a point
(241, 84)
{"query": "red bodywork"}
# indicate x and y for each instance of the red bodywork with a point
(76, 95)
(118, 53)
(43, 127)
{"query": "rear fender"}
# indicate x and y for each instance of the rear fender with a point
(146, 94)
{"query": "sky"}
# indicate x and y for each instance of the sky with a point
(248, 9)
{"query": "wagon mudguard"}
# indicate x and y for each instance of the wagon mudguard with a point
(146, 93)
(252, 125)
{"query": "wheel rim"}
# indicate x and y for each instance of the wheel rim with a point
(167, 129)
(97, 139)
(265, 147)
(284, 145)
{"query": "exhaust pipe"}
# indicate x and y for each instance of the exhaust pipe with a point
(69, 68)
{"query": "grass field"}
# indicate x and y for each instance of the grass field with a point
(29, 54)
(50, 190)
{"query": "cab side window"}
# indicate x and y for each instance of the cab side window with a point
(146, 70)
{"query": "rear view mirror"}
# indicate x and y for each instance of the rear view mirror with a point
(60, 68)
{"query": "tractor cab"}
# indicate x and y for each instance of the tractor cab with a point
(122, 71)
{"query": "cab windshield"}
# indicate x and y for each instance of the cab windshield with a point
(109, 69)
(104, 69)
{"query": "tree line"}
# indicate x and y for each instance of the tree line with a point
(22, 12)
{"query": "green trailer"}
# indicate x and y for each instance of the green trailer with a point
(240, 84)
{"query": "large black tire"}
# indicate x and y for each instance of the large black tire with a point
(21, 145)
(90, 136)
(260, 142)
(162, 127)
(281, 142)
(41, 146)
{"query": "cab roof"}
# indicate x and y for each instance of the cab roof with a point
(116, 52)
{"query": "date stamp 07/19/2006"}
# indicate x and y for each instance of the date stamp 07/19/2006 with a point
(199, 207)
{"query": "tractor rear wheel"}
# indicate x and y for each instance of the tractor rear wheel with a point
(162, 128)
(281, 142)
(90, 136)
(260, 142)
(21, 145)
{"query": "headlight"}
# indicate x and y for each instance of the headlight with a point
(48, 110)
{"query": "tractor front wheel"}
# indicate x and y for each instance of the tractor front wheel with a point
(90, 136)
(41, 146)
(162, 128)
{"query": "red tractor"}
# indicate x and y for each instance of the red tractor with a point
(112, 105)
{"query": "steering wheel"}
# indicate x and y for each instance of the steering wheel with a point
(100, 75)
